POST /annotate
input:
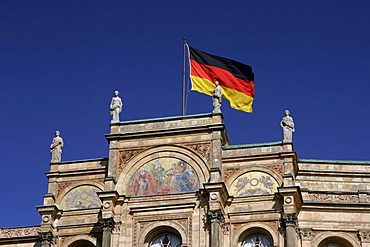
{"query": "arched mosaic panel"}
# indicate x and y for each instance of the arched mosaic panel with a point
(254, 184)
(163, 176)
(81, 197)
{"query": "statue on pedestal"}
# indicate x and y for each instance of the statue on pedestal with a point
(217, 98)
(115, 107)
(56, 148)
(288, 127)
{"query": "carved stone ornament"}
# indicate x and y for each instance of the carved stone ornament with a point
(305, 233)
(62, 185)
(215, 216)
(203, 149)
(107, 224)
(364, 236)
(19, 232)
(46, 238)
(278, 168)
(316, 197)
(228, 173)
(125, 156)
(290, 220)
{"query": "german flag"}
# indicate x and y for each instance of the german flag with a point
(236, 79)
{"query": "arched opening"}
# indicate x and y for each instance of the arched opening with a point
(164, 237)
(256, 237)
(81, 243)
(335, 242)
(165, 240)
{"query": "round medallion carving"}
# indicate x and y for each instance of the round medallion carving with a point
(288, 200)
(106, 205)
(214, 196)
(45, 219)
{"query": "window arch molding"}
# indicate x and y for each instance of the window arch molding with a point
(75, 241)
(166, 151)
(340, 237)
(156, 228)
(255, 227)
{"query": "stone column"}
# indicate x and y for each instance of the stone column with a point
(215, 219)
(46, 239)
(107, 225)
(290, 222)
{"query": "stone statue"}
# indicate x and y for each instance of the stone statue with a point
(288, 127)
(115, 107)
(56, 148)
(217, 98)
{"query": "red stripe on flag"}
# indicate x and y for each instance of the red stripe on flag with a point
(224, 77)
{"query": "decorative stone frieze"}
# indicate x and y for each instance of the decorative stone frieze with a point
(19, 232)
(321, 197)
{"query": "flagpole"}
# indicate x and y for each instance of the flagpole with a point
(184, 81)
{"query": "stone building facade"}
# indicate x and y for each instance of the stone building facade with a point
(178, 182)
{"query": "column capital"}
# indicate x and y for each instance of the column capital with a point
(305, 234)
(364, 236)
(215, 216)
(290, 220)
(107, 224)
(46, 238)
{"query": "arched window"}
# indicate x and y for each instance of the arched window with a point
(335, 242)
(257, 240)
(332, 245)
(166, 240)
(81, 243)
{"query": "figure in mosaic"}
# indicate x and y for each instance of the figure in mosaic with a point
(288, 127)
(163, 176)
(115, 107)
(217, 98)
(56, 148)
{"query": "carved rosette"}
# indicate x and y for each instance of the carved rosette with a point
(364, 236)
(125, 156)
(19, 232)
(305, 234)
(317, 197)
(203, 149)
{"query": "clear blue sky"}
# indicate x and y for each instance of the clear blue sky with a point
(60, 62)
